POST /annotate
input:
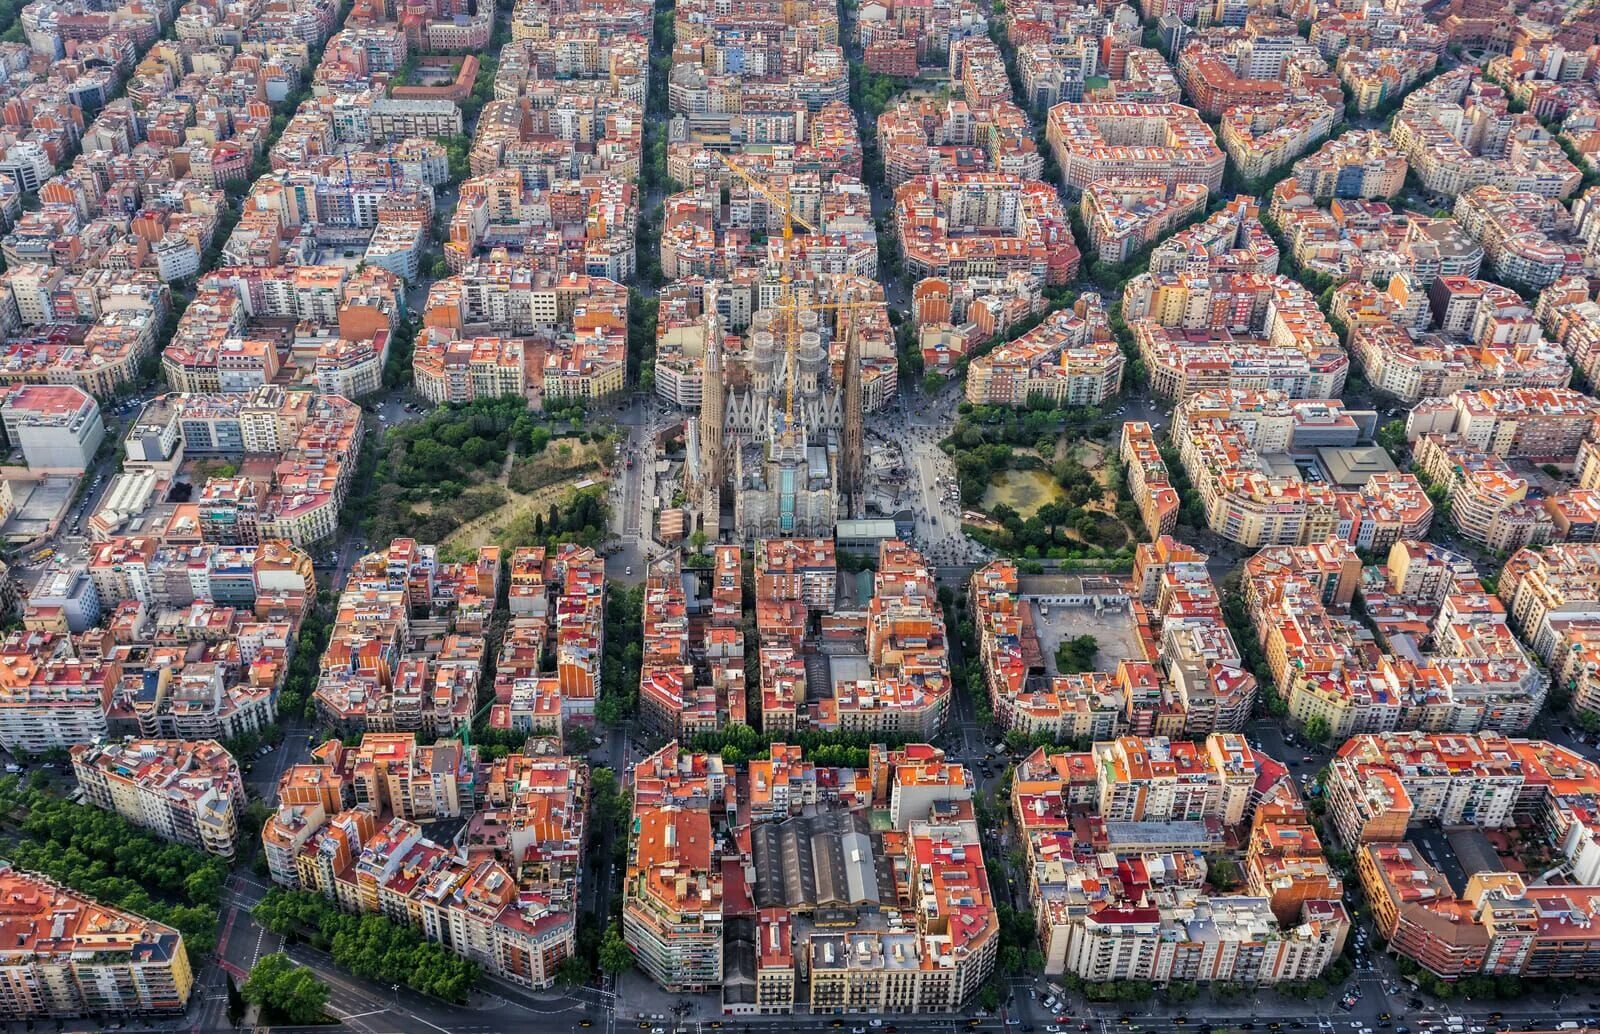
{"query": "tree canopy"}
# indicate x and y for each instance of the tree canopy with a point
(286, 991)
(368, 946)
(101, 854)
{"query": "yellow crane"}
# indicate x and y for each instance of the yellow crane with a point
(788, 306)
(785, 278)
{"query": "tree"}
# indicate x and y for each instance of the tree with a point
(1392, 436)
(1317, 728)
(573, 972)
(615, 955)
(1077, 655)
(284, 989)
(1223, 873)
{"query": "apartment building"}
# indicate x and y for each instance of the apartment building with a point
(1457, 133)
(1149, 481)
(693, 674)
(309, 795)
(1187, 680)
(316, 440)
(927, 954)
(1362, 163)
(1477, 676)
(1376, 76)
(1070, 359)
(458, 371)
(1123, 217)
(1494, 921)
(189, 792)
(1370, 241)
(392, 663)
(888, 656)
(73, 956)
(507, 901)
(1196, 331)
(1525, 236)
(798, 569)
(1165, 142)
(1483, 336)
(1489, 503)
(1261, 138)
(1126, 898)
(1224, 439)
(958, 225)
(557, 597)
(56, 426)
(920, 136)
(1549, 595)
(1545, 425)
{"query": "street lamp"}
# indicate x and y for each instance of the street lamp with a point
(396, 989)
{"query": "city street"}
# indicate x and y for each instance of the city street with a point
(632, 489)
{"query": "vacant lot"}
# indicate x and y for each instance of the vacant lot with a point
(1113, 630)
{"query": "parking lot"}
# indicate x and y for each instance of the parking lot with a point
(1113, 629)
(37, 504)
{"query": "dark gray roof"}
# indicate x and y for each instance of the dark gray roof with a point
(813, 861)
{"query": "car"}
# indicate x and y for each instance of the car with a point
(858, 1030)
(628, 570)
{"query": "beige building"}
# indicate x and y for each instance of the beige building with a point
(189, 792)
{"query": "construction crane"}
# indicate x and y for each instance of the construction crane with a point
(785, 278)
(788, 307)
(850, 475)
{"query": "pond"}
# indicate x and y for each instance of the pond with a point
(1022, 490)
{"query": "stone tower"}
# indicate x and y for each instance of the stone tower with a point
(711, 409)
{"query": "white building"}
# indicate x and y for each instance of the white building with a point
(55, 425)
